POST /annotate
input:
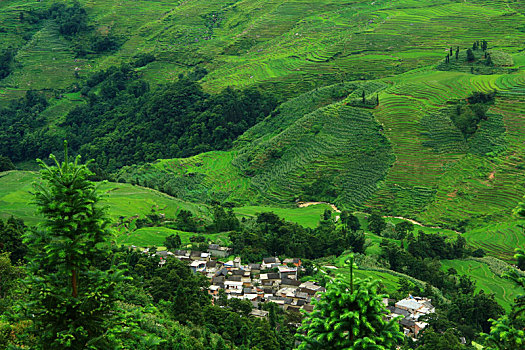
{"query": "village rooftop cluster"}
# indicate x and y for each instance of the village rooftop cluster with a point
(268, 281)
(277, 281)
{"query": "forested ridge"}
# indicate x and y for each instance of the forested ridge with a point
(125, 122)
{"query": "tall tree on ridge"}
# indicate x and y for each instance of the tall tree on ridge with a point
(71, 302)
(349, 315)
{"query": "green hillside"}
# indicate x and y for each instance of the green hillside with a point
(122, 200)
(309, 148)
(291, 46)
(504, 290)
(403, 156)
(459, 182)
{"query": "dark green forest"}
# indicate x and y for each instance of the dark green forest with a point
(125, 122)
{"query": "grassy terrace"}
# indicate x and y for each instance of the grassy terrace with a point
(292, 46)
(504, 290)
(307, 217)
(121, 199)
(462, 181)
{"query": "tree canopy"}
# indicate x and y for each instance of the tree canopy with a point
(71, 302)
(349, 315)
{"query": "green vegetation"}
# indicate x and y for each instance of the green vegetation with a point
(268, 235)
(507, 331)
(178, 119)
(306, 216)
(288, 156)
(504, 290)
(72, 304)
(290, 46)
(349, 315)
(215, 121)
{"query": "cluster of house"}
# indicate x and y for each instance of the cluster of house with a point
(268, 281)
(277, 282)
(409, 311)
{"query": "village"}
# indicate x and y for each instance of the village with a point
(276, 281)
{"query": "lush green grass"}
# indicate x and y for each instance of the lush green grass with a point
(155, 236)
(389, 281)
(14, 196)
(122, 200)
(307, 216)
(504, 290)
(200, 178)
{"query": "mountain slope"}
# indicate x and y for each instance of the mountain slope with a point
(289, 46)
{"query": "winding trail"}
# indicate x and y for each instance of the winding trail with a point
(307, 204)
(420, 224)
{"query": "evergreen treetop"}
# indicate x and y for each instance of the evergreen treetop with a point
(71, 302)
(349, 315)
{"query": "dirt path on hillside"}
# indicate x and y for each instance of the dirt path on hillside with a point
(418, 223)
(307, 204)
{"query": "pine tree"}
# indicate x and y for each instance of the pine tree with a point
(349, 315)
(71, 302)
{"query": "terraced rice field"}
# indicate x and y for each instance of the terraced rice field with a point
(45, 62)
(447, 179)
(122, 200)
(499, 239)
(347, 149)
(289, 46)
(504, 290)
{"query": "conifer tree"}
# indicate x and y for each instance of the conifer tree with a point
(71, 302)
(470, 55)
(349, 315)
